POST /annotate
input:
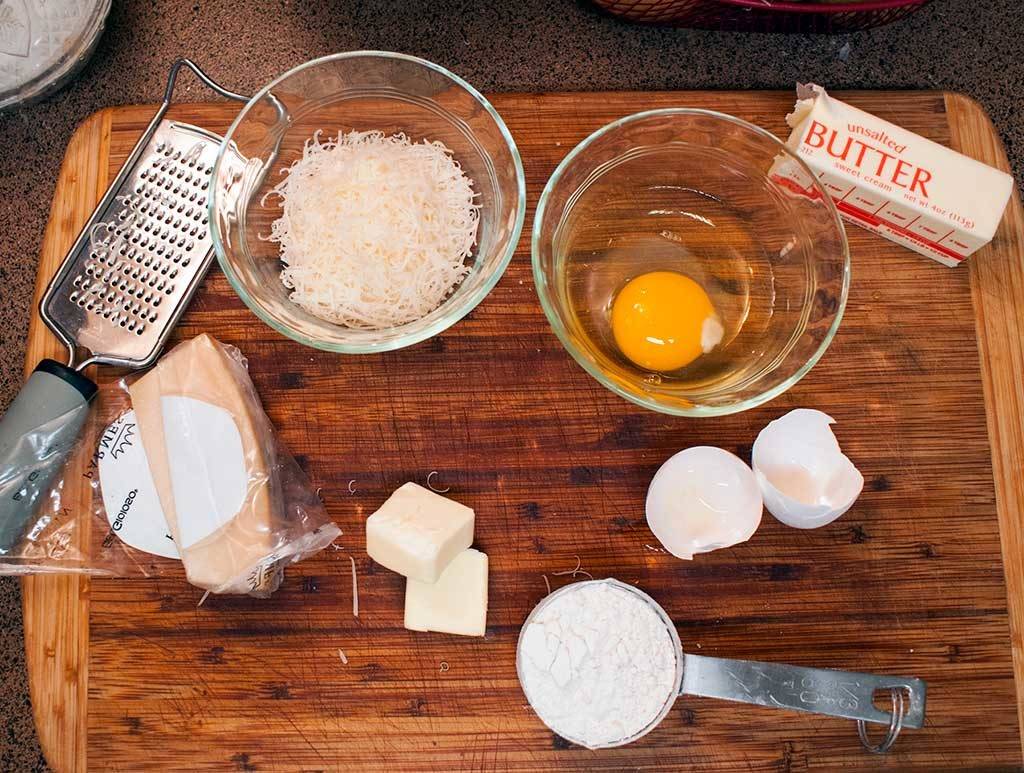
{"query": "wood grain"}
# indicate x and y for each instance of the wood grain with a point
(909, 582)
(56, 607)
(997, 285)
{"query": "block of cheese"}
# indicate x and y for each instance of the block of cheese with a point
(417, 532)
(201, 427)
(456, 603)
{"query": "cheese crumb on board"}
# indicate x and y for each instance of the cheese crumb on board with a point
(417, 533)
(456, 603)
(355, 589)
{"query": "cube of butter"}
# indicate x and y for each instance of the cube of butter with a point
(417, 533)
(456, 603)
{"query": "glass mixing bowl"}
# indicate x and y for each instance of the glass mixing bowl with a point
(361, 91)
(689, 191)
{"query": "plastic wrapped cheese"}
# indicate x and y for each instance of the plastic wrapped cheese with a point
(238, 507)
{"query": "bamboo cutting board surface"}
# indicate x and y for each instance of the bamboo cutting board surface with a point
(129, 674)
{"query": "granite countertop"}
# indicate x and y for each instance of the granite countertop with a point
(529, 45)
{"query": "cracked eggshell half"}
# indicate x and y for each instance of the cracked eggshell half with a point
(806, 480)
(702, 499)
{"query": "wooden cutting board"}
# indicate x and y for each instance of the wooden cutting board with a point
(129, 674)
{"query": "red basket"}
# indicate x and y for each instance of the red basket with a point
(764, 15)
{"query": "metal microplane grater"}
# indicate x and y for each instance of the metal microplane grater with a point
(139, 259)
(135, 266)
(123, 285)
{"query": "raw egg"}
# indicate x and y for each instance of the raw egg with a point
(664, 320)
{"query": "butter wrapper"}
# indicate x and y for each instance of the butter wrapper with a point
(910, 190)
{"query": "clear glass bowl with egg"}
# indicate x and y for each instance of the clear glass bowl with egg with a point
(359, 92)
(678, 273)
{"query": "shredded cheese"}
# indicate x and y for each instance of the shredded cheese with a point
(355, 589)
(573, 572)
(431, 485)
(376, 231)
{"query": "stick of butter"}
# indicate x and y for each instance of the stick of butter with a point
(201, 435)
(891, 181)
(417, 533)
(456, 603)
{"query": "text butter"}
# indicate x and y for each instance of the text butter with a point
(910, 190)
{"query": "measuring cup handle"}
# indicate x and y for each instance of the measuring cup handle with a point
(817, 690)
(37, 432)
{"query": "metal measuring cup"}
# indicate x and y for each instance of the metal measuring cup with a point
(822, 691)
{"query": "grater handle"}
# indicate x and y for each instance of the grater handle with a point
(37, 433)
(172, 77)
(206, 79)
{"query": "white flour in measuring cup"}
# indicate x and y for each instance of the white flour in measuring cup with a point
(598, 663)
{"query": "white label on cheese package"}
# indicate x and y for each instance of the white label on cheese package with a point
(129, 496)
(207, 464)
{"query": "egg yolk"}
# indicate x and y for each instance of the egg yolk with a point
(664, 320)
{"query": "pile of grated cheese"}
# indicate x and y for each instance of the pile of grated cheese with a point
(375, 231)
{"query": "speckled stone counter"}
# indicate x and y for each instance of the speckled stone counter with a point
(528, 45)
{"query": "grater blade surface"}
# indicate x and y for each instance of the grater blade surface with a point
(143, 253)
